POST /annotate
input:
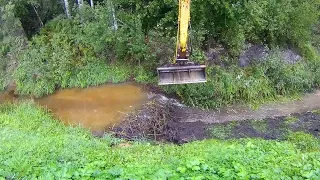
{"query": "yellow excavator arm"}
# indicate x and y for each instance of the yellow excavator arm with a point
(183, 20)
(182, 70)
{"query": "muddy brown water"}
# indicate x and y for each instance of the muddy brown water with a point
(96, 108)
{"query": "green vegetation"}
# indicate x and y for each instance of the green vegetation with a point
(260, 125)
(304, 141)
(34, 145)
(79, 52)
(11, 43)
(316, 111)
(255, 84)
(290, 120)
(222, 131)
(120, 41)
(126, 40)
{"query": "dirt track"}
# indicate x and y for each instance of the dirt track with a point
(307, 103)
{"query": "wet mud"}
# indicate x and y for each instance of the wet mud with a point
(164, 119)
(308, 102)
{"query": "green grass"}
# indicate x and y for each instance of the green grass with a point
(316, 111)
(35, 145)
(222, 131)
(259, 125)
(290, 120)
(304, 141)
(93, 74)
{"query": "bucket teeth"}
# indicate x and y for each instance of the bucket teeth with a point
(181, 74)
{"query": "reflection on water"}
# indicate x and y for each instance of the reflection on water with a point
(95, 108)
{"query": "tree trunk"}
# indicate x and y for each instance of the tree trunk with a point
(91, 3)
(66, 6)
(80, 3)
(114, 19)
(39, 18)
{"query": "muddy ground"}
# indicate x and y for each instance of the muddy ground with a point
(165, 119)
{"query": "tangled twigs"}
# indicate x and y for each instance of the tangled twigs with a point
(149, 122)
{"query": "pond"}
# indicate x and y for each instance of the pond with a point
(95, 108)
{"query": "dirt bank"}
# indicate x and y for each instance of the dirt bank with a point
(309, 102)
(166, 119)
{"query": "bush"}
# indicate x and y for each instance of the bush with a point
(289, 79)
(2, 73)
(264, 81)
(80, 52)
(12, 42)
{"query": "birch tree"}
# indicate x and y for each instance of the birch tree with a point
(91, 3)
(38, 16)
(114, 19)
(80, 3)
(66, 7)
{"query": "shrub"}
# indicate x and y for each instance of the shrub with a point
(255, 84)
(12, 42)
(80, 52)
(288, 79)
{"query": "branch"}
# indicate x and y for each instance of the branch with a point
(35, 10)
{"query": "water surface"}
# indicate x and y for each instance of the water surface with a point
(96, 108)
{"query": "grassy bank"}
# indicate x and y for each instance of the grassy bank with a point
(33, 144)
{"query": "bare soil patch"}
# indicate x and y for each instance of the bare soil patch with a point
(164, 119)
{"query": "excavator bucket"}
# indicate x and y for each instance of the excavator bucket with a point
(181, 74)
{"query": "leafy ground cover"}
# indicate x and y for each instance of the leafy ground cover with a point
(35, 145)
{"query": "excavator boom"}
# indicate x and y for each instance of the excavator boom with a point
(182, 70)
(184, 19)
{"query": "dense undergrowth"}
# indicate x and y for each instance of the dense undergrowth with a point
(264, 81)
(81, 52)
(90, 49)
(12, 42)
(54, 151)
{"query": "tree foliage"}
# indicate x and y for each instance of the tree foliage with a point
(234, 22)
(80, 52)
(12, 42)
